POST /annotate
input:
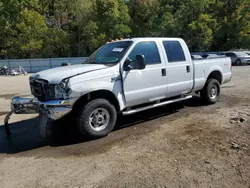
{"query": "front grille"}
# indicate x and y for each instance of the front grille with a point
(36, 88)
(42, 89)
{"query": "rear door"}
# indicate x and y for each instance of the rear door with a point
(179, 67)
(150, 84)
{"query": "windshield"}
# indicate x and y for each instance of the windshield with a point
(110, 53)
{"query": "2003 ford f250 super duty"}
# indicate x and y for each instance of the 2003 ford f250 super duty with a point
(126, 76)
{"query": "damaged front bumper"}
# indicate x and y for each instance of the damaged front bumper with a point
(54, 109)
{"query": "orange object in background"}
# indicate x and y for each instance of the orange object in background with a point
(114, 40)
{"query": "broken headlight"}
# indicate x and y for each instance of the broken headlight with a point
(63, 90)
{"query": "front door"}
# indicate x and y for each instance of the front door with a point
(150, 84)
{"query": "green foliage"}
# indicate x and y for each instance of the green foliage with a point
(234, 30)
(31, 29)
(201, 32)
(61, 28)
(112, 18)
(55, 41)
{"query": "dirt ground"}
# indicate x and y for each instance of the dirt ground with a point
(182, 145)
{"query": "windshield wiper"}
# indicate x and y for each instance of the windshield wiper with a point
(93, 62)
(101, 63)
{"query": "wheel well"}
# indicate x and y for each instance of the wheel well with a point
(216, 75)
(104, 94)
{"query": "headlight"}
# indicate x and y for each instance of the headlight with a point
(64, 83)
(62, 90)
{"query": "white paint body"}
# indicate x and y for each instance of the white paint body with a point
(137, 87)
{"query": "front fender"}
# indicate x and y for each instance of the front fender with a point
(105, 84)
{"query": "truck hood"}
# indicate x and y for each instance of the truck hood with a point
(56, 75)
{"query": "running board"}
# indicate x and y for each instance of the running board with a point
(155, 105)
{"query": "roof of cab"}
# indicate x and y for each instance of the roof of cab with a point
(153, 38)
(148, 38)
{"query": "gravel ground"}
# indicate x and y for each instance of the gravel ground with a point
(182, 145)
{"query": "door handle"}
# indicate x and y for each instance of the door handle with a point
(163, 72)
(188, 68)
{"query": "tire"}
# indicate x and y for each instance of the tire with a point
(238, 63)
(97, 118)
(209, 96)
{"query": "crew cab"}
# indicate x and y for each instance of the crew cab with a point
(122, 77)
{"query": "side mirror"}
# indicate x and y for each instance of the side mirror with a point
(126, 65)
(140, 62)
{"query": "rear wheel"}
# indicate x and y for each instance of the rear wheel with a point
(97, 118)
(211, 92)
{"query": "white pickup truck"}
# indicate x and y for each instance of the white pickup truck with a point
(126, 76)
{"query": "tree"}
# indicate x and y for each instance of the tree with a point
(234, 25)
(55, 43)
(144, 17)
(201, 33)
(10, 13)
(62, 28)
(31, 28)
(112, 18)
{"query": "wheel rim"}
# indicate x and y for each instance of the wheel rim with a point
(99, 119)
(213, 92)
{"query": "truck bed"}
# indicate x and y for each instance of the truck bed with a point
(204, 66)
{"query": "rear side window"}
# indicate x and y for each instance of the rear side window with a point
(174, 51)
(149, 50)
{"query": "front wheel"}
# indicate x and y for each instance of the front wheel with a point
(238, 62)
(97, 118)
(211, 92)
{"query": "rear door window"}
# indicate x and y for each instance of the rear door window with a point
(174, 51)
